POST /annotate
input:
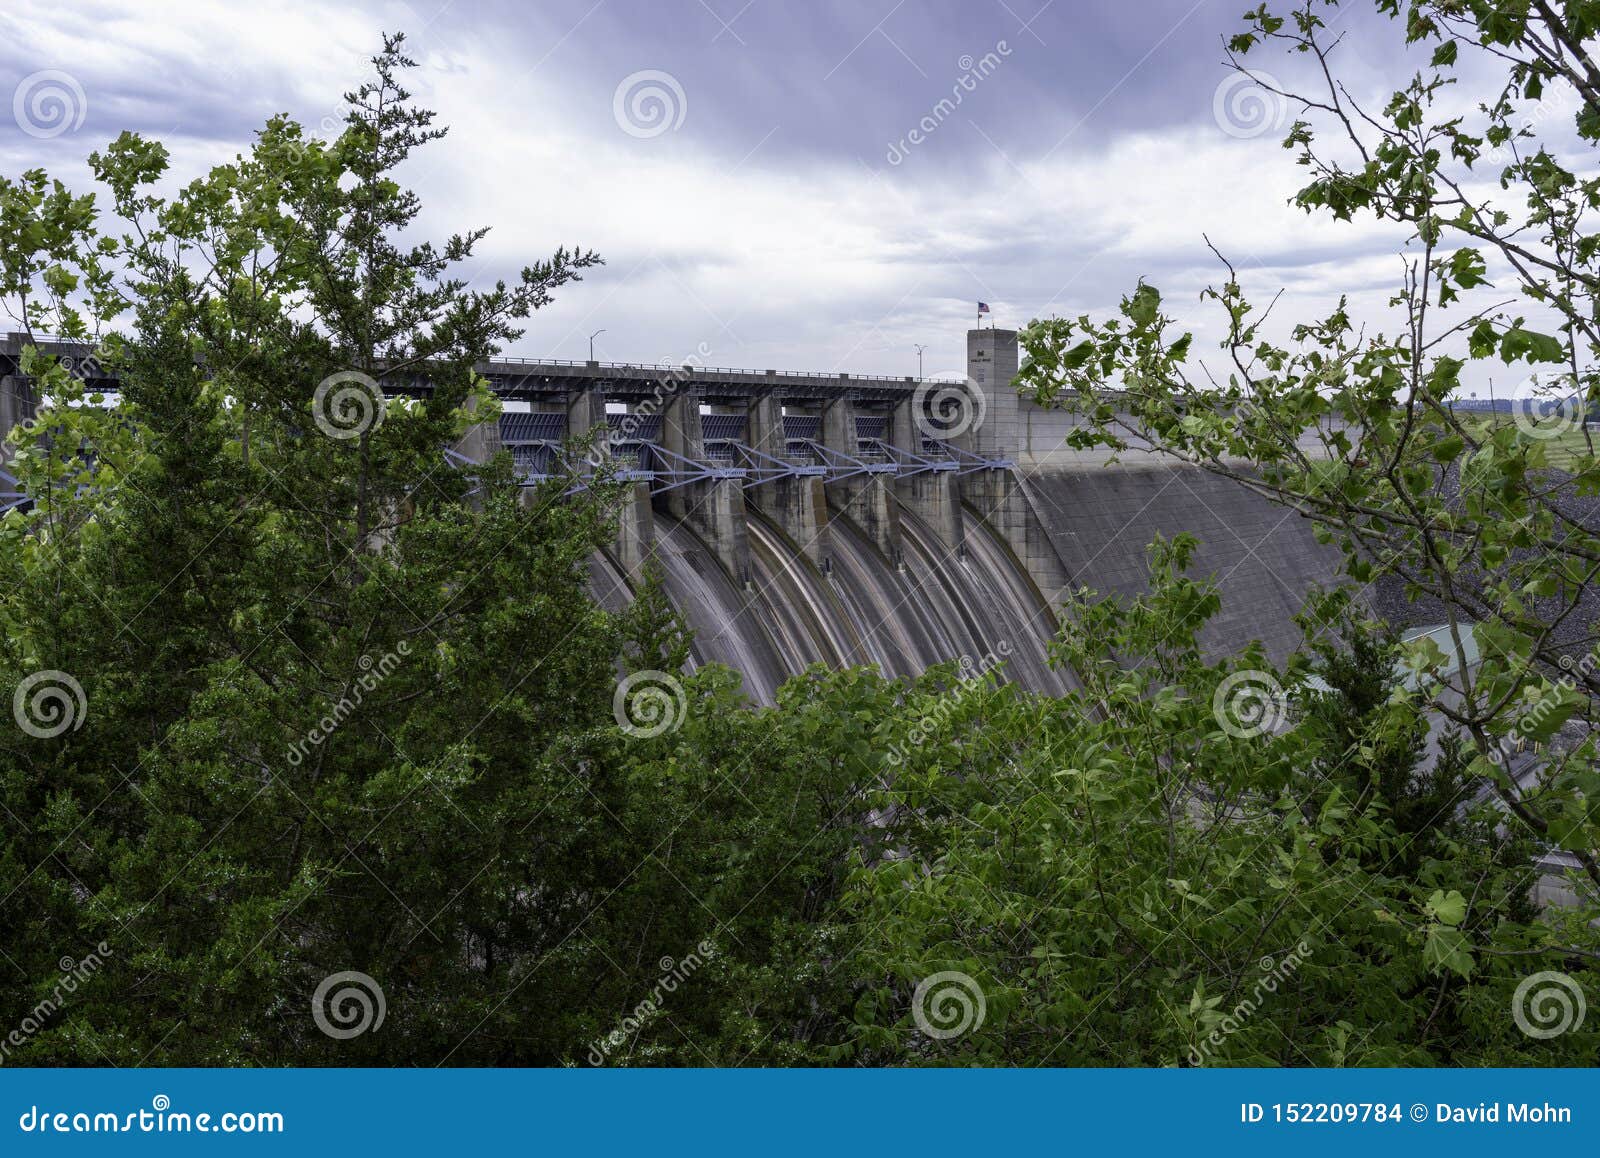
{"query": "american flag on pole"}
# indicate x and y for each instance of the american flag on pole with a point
(983, 307)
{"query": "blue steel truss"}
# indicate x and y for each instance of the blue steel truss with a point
(536, 443)
(634, 445)
(11, 494)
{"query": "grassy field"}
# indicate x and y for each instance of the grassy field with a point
(1561, 450)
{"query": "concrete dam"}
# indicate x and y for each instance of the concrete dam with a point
(835, 519)
(840, 519)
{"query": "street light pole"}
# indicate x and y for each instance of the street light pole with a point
(919, 360)
(591, 342)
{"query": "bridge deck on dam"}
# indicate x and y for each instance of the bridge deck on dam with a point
(531, 379)
(536, 379)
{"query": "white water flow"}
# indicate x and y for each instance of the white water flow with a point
(935, 608)
(726, 627)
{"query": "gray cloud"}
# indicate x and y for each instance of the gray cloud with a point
(771, 223)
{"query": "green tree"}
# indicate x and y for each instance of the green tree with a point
(339, 713)
(1132, 875)
(1358, 430)
(348, 708)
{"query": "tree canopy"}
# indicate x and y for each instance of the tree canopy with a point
(317, 759)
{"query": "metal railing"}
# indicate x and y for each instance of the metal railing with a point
(632, 367)
(661, 368)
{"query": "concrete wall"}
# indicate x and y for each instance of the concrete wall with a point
(1101, 522)
(1039, 440)
(1075, 519)
(906, 572)
(17, 405)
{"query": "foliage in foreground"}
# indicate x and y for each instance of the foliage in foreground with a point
(1357, 428)
(350, 709)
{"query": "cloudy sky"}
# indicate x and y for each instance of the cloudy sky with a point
(748, 168)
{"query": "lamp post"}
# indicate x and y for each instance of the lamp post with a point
(592, 337)
(919, 360)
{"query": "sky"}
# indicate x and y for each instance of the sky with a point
(772, 184)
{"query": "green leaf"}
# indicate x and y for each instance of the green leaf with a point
(1447, 908)
(1448, 949)
(1145, 304)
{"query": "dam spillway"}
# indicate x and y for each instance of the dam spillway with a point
(904, 573)
(799, 519)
